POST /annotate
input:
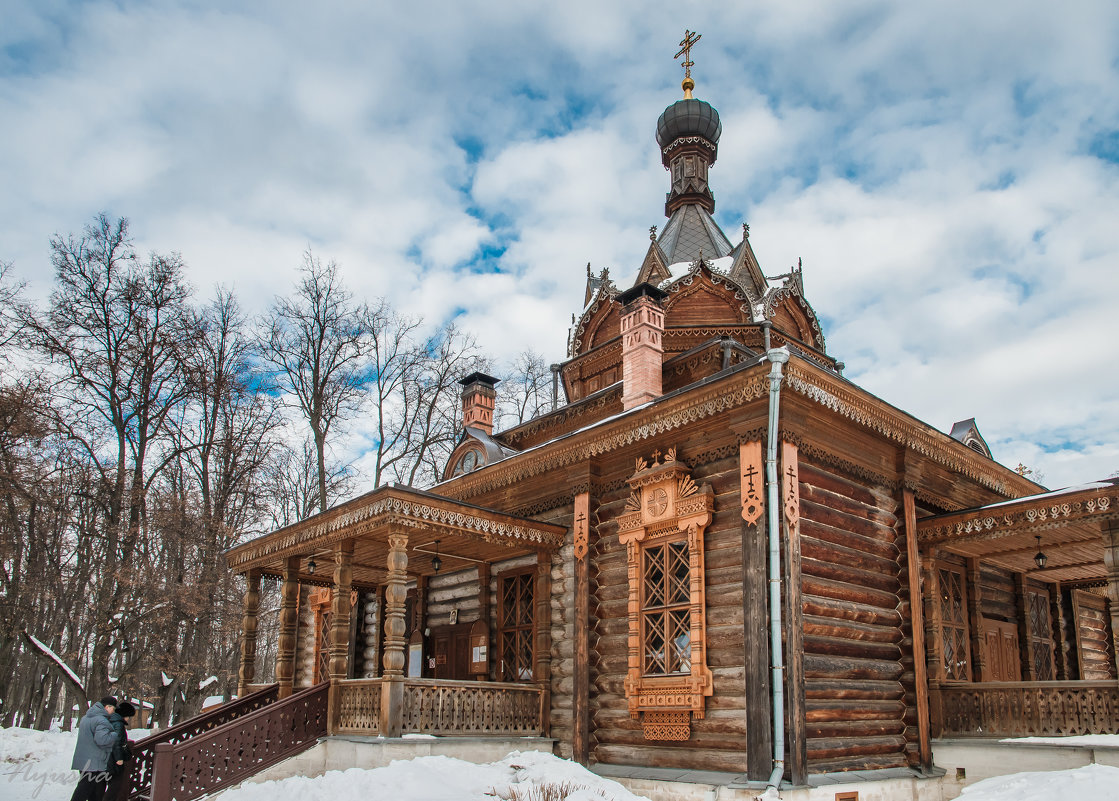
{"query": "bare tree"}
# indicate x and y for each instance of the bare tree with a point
(318, 342)
(525, 390)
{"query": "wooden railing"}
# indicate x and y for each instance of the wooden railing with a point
(1023, 709)
(229, 754)
(433, 706)
(139, 779)
(359, 707)
(437, 706)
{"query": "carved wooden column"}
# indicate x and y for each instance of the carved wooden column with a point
(934, 610)
(340, 629)
(392, 683)
(580, 745)
(1110, 532)
(975, 620)
(1025, 630)
(755, 599)
(247, 671)
(794, 629)
(1060, 638)
(542, 632)
(917, 625)
(289, 625)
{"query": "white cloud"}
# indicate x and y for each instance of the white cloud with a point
(928, 162)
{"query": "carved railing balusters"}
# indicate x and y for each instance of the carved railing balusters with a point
(1020, 709)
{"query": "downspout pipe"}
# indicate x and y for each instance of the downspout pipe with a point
(777, 358)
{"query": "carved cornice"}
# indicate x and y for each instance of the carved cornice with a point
(821, 455)
(855, 404)
(627, 429)
(392, 509)
(687, 140)
(1026, 516)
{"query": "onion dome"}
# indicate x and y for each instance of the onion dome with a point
(687, 118)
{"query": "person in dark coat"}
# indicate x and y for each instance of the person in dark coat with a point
(121, 753)
(95, 745)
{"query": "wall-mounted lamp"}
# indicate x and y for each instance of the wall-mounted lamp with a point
(311, 566)
(1040, 558)
(436, 562)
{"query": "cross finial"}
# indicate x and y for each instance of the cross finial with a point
(690, 38)
(653, 233)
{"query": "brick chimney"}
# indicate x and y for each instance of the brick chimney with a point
(478, 396)
(642, 344)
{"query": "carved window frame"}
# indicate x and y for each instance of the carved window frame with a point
(523, 634)
(666, 507)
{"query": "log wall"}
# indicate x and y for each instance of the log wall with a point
(718, 742)
(855, 680)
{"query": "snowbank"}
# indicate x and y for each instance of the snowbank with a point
(1090, 783)
(439, 778)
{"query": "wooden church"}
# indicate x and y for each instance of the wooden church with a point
(718, 554)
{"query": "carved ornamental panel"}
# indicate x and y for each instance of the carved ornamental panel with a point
(662, 528)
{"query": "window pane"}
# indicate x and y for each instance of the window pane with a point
(679, 572)
(654, 643)
(680, 640)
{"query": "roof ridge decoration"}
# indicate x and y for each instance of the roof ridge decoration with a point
(654, 269)
(745, 268)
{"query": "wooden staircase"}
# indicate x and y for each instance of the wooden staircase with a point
(223, 747)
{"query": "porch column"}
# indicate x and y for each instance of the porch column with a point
(917, 626)
(1057, 621)
(542, 631)
(1110, 531)
(289, 622)
(247, 671)
(1025, 630)
(392, 682)
(979, 670)
(339, 630)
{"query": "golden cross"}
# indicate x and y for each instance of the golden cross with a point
(690, 38)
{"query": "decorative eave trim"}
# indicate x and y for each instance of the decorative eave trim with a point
(680, 141)
(1026, 516)
(847, 400)
(397, 507)
(635, 426)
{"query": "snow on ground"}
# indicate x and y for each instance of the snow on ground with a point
(440, 778)
(1090, 783)
(35, 765)
(1084, 740)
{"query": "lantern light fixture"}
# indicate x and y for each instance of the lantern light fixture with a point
(1040, 558)
(436, 562)
(311, 566)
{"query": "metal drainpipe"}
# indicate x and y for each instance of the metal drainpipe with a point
(777, 357)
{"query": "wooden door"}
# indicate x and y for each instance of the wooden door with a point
(320, 603)
(1001, 644)
(450, 645)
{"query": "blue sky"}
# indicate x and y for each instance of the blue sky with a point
(948, 172)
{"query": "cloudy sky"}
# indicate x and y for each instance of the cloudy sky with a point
(949, 172)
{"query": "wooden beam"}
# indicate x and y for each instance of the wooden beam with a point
(917, 625)
(580, 740)
(246, 673)
(289, 624)
(339, 630)
(755, 618)
(797, 726)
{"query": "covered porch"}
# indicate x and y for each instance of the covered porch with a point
(386, 546)
(1021, 612)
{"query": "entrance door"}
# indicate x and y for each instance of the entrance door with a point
(450, 645)
(1002, 651)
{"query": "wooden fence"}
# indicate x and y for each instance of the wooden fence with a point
(1023, 709)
